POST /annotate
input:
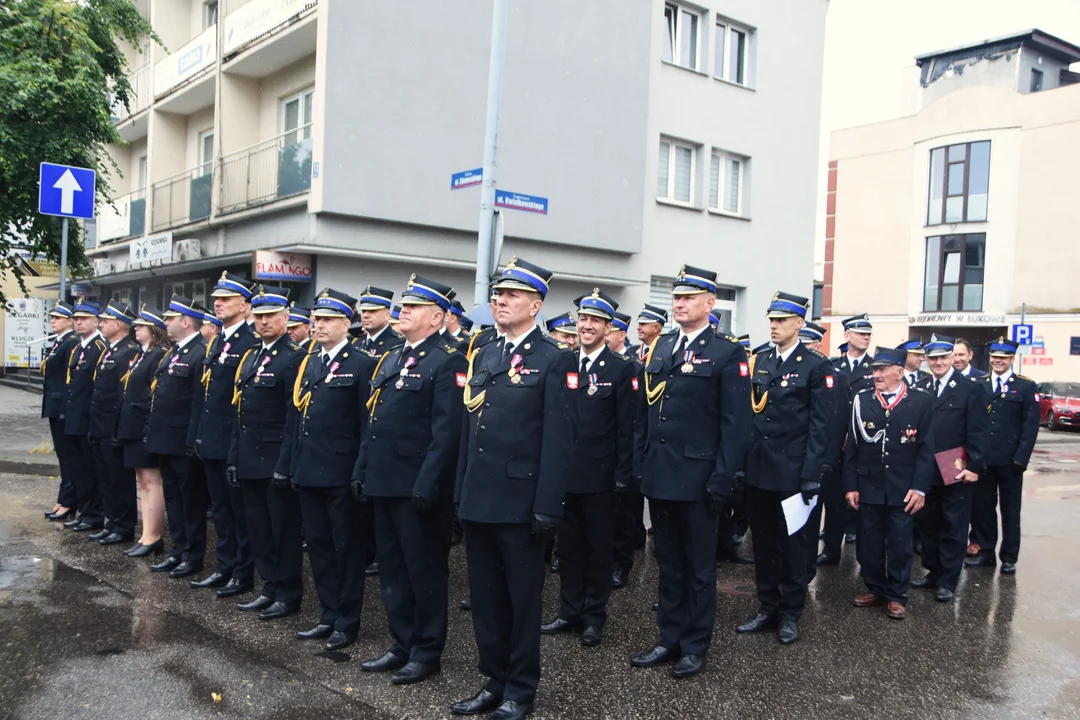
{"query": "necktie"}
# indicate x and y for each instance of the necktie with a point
(680, 351)
(777, 361)
(999, 383)
(508, 348)
(585, 365)
(324, 362)
(888, 396)
(854, 365)
(937, 386)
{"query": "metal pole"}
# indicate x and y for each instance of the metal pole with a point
(63, 260)
(1023, 317)
(491, 141)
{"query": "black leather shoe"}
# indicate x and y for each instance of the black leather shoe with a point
(826, 559)
(99, 535)
(70, 525)
(235, 587)
(944, 595)
(339, 640)
(555, 566)
(759, 623)
(657, 656)
(656, 607)
(114, 539)
(1008, 568)
(372, 569)
(166, 565)
(260, 603)
(155, 548)
(185, 569)
(980, 561)
(481, 702)
(788, 632)
(558, 625)
(319, 632)
(688, 665)
(214, 580)
(918, 549)
(61, 517)
(84, 526)
(414, 672)
(618, 579)
(465, 605)
(278, 610)
(850, 538)
(389, 661)
(592, 636)
(923, 584)
(510, 710)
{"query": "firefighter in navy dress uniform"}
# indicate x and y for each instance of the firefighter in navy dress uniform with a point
(80, 389)
(54, 392)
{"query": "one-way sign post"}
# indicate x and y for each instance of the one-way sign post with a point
(68, 192)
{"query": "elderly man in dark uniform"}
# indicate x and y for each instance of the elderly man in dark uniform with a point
(407, 466)
(331, 393)
(516, 446)
(216, 416)
(82, 362)
(1014, 426)
(116, 485)
(692, 437)
(793, 405)
(263, 403)
(53, 397)
(961, 424)
(888, 466)
(170, 436)
(600, 469)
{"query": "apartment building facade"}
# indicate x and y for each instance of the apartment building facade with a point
(958, 217)
(326, 131)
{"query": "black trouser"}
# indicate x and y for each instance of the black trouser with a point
(944, 521)
(118, 492)
(66, 458)
(174, 476)
(811, 541)
(586, 557)
(506, 579)
(414, 548)
(1008, 482)
(233, 550)
(97, 482)
(780, 560)
(728, 526)
(370, 544)
(685, 540)
(196, 501)
(334, 530)
(840, 518)
(885, 550)
(83, 476)
(272, 518)
(629, 527)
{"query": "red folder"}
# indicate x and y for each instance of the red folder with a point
(950, 463)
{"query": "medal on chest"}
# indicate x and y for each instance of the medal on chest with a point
(688, 362)
(265, 361)
(409, 362)
(594, 379)
(515, 376)
(333, 368)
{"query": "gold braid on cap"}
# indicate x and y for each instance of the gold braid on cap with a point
(472, 403)
(374, 399)
(652, 394)
(757, 404)
(237, 395)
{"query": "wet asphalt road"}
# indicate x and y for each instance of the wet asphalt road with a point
(86, 632)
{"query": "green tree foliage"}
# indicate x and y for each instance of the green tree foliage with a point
(58, 61)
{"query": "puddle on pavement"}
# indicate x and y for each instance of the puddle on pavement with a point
(24, 570)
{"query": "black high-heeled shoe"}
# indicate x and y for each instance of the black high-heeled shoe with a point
(67, 515)
(51, 512)
(141, 550)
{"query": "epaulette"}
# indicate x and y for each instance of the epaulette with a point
(816, 353)
(624, 358)
(1022, 377)
(100, 343)
(672, 331)
(294, 346)
(447, 345)
(730, 338)
(552, 341)
(761, 348)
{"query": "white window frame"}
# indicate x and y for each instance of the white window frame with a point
(205, 164)
(211, 7)
(668, 195)
(302, 129)
(677, 37)
(728, 28)
(142, 173)
(722, 182)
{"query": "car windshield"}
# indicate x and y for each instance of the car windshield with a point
(1067, 390)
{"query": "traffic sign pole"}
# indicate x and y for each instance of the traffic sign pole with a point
(63, 259)
(485, 264)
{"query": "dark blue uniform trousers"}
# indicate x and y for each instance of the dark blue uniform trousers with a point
(233, 550)
(118, 495)
(586, 559)
(780, 560)
(944, 520)
(176, 471)
(885, 550)
(334, 530)
(685, 540)
(1008, 482)
(273, 524)
(66, 447)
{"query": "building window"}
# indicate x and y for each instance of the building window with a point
(954, 273)
(675, 176)
(142, 173)
(681, 41)
(818, 301)
(660, 296)
(726, 179)
(959, 183)
(206, 153)
(194, 290)
(296, 116)
(210, 13)
(731, 58)
(1036, 80)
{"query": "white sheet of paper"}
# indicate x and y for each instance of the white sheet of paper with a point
(796, 512)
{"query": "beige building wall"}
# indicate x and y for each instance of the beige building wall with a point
(275, 88)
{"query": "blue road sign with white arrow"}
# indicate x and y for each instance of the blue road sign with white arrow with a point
(66, 191)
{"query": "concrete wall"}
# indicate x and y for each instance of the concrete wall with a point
(197, 124)
(172, 21)
(1031, 59)
(275, 88)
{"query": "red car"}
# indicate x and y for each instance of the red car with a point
(1059, 405)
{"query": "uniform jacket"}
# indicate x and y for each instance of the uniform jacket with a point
(694, 428)
(108, 390)
(975, 373)
(264, 409)
(889, 454)
(840, 421)
(414, 431)
(460, 341)
(333, 417)
(630, 351)
(519, 431)
(213, 411)
(54, 368)
(960, 420)
(795, 427)
(861, 379)
(387, 340)
(173, 389)
(480, 339)
(1014, 421)
(80, 385)
(607, 403)
(135, 394)
(923, 378)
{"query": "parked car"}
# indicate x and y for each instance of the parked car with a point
(1059, 404)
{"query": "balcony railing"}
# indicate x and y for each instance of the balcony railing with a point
(182, 198)
(267, 171)
(124, 218)
(138, 98)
